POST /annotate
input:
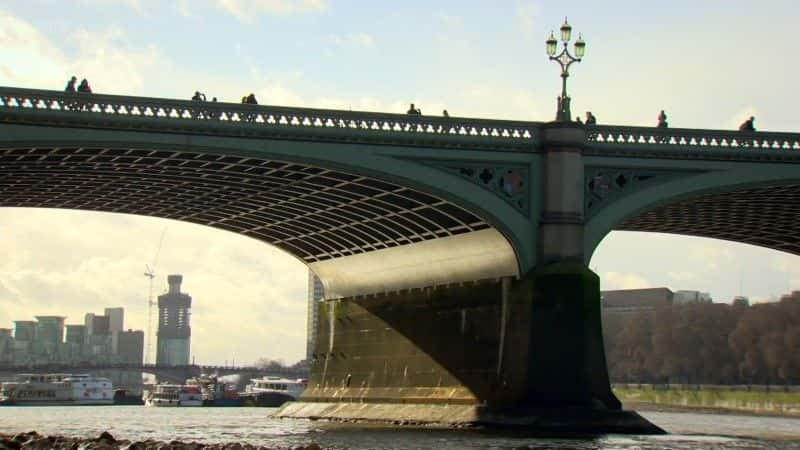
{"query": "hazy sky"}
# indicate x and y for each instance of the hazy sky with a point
(709, 64)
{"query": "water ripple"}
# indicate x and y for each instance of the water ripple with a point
(255, 426)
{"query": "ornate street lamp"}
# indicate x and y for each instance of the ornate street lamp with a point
(565, 59)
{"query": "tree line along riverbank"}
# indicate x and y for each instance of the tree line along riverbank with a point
(706, 343)
(781, 401)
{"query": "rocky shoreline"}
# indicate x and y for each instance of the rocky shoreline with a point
(35, 441)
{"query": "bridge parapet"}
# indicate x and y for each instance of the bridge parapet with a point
(622, 137)
(155, 114)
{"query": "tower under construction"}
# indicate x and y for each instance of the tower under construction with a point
(174, 332)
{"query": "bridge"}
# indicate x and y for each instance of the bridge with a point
(453, 251)
(178, 374)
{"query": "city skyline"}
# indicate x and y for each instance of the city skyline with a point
(473, 58)
(98, 339)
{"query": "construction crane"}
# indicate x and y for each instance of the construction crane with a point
(150, 272)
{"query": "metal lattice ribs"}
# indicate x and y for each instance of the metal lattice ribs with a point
(764, 216)
(313, 213)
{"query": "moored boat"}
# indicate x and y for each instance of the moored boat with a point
(273, 391)
(216, 392)
(174, 395)
(57, 389)
(124, 397)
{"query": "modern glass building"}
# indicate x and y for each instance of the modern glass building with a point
(316, 293)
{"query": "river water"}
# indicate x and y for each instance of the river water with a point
(254, 425)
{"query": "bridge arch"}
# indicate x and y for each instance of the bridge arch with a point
(329, 205)
(728, 201)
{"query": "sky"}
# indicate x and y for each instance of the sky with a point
(708, 64)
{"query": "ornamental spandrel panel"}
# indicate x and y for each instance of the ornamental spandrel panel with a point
(605, 185)
(509, 181)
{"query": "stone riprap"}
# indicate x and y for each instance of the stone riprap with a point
(35, 441)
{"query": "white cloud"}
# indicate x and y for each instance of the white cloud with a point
(28, 58)
(617, 280)
(711, 256)
(527, 15)
(249, 10)
(682, 276)
(502, 102)
(135, 5)
(109, 66)
(451, 22)
(357, 40)
(186, 9)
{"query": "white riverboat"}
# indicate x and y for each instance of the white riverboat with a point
(57, 389)
(174, 395)
(273, 391)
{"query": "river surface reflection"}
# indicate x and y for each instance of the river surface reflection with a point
(253, 425)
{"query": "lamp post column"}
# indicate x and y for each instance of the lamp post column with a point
(564, 59)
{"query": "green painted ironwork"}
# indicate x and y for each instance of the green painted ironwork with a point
(686, 140)
(603, 185)
(263, 120)
(507, 180)
(491, 168)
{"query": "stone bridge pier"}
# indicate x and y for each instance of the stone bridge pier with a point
(516, 351)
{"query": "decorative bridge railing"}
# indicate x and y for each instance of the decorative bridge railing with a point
(274, 121)
(605, 137)
(18, 105)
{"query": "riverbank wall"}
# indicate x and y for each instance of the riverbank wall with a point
(759, 400)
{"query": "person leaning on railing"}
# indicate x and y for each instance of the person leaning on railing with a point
(662, 120)
(71, 84)
(747, 125)
(84, 87)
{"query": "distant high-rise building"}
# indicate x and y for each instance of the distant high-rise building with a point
(24, 338)
(316, 293)
(116, 318)
(174, 331)
(25, 330)
(75, 342)
(76, 334)
(50, 329)
(131, 346)
(49, 335)
(6, 346)
(98, 335)
(96, 324)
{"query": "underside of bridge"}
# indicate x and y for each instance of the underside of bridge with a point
(310, 212)
(762, 216)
